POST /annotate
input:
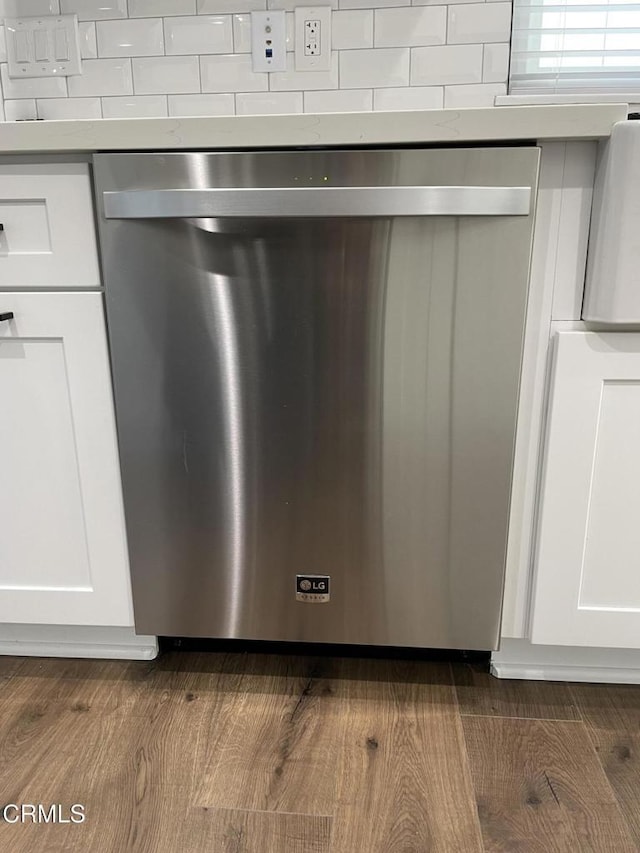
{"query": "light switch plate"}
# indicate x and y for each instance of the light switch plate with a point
(44, 46)
(313, 38)
(268, 41)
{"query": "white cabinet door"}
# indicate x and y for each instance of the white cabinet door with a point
(62, 542)
(587, 578)
(48, 236)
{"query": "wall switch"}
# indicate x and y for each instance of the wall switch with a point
(44, 46)
(313, 38)
(268, 41)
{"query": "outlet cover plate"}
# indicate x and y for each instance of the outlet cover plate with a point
(320, 61)
(268, 41)
(43, 46)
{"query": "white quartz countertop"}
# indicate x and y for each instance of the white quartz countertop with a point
(586, 121)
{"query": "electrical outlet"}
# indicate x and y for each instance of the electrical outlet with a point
(268, 41)
(313, 38)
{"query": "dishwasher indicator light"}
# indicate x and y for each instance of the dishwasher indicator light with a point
(313, 589)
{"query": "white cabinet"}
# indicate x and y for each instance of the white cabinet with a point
(587, 568)
(63, 553)
(48, 234)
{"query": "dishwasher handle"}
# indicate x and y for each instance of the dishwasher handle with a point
(317, 202)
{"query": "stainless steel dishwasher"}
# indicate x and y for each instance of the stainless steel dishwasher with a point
(316, 360)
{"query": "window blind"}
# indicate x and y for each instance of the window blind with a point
(575, 46)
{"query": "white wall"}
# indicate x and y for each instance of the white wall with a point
(190, 57)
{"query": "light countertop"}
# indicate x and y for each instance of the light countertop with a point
(585, 121)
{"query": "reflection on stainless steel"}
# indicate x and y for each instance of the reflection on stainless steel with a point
(230, 380)
(319, 201)
(333, 396)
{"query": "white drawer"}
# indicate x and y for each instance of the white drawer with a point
(48, 235)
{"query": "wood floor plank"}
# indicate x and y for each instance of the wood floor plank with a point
(272, 741)
(9, 666)
(404, 784)
(234, 753)
(131, 764)
(236, 831)
(46, 757)
(539, 787)
(69, 681)
(612, 717)
(480, 693)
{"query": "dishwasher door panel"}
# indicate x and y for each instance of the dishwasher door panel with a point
(328, 396)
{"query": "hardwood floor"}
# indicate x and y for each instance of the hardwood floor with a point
(250, 753)
(612, 717)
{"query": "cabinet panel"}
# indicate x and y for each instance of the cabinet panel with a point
(63, 549)
(44, 543)
(611, 575)
(48, 235)
(587, 585)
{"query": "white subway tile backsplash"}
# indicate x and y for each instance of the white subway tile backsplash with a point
(32, 87)
(290, 31)
(268, 103)
(199, 34)
(102, 77)
(448, 64)
(281, 81)
(339, 101)
(20, 110)
(29, 8)
(290, 5)
(134, 37)
(444, 2)
(352, 28)
(480, 95)
(201, 105)
(480, 22)
(371, 4)
(94, 10)
(411, 26)
(69, 108)
(231, 73)
(495, 68)
(411, 98)
(377, 68)
(87, 40)
(193, 57)
(172, 75)
(242, 33)
(207, 7)
(154, 8)
(135, 106)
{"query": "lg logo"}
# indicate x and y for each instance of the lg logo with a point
(312, 588)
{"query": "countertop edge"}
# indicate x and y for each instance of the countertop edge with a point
(581, 121)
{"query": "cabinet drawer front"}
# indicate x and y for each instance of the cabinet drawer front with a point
(63, 553)
(48, 236)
